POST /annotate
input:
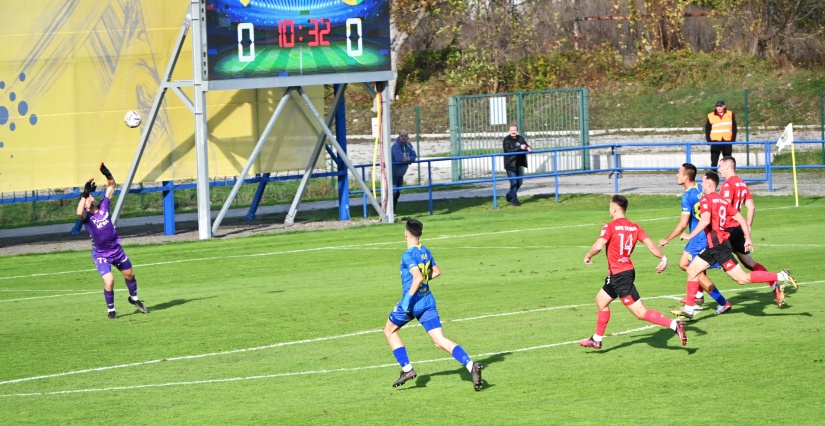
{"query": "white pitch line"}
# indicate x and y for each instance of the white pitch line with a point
(319, 340)
(297, 342)
(55, 295)
(301, 373)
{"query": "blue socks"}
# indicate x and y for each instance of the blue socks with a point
(717, 296)
(401, 356)
(460, 355)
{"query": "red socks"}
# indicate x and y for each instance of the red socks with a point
(601, 322)
(657, 318)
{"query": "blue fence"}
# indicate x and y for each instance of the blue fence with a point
(497, 175)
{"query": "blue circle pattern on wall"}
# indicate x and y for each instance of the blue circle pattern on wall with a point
(22, 108)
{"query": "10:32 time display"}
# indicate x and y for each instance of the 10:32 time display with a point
(316, 33)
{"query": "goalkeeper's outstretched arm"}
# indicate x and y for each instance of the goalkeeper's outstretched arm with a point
(110, 181)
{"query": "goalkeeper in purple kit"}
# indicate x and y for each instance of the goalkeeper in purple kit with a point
(106, 249)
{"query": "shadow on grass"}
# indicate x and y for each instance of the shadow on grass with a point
(663, 338)
(424, 379)
(174, 302)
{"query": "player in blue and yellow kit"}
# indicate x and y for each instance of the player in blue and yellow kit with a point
(418, 267)
(686, 177)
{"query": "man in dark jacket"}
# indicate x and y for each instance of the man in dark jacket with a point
(515, 164)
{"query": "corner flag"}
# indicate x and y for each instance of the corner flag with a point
(786, 138)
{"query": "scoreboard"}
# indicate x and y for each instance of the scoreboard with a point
(279, 43)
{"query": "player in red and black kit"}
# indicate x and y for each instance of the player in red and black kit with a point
(715, 214)
(620, 236)
(736, 192)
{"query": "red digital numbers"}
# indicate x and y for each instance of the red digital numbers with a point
(286, 33)
(318, 32)
(320, 28)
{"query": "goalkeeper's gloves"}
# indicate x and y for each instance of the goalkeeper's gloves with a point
(88, 188)
(105, 171)
(405, 302)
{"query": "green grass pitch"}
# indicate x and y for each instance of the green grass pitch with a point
(286, 328)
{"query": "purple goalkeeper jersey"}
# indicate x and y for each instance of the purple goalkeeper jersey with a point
(105, 241)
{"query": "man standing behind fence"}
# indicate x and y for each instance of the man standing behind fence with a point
(515, 164)
(720, 128)
(402, 155)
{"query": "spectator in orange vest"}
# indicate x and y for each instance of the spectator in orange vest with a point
(720, 128)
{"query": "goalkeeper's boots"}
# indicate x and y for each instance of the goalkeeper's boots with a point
(682, 313)
(405, 377)
(590, 343)
(476, 373)
(112, 315)
(699, 301)
(789, 279)
(779, 294)
(721, 309)
(680, 331)
(139, 305)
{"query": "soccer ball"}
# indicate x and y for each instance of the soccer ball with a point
(132, 119)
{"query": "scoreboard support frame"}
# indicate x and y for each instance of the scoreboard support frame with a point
(200, 85)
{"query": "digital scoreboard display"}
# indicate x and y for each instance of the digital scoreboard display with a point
(278, 43)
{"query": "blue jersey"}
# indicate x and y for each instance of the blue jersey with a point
(690, 205)
(416, 257)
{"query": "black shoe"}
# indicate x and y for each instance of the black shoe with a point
(509, 198)
(405, 377)
(516, 203)
(139, 305)
(476, 373)
(112, 315)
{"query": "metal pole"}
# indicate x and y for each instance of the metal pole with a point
(418, 140)
(201, 132)
(747, 132)
(153, 114)
(822, 121)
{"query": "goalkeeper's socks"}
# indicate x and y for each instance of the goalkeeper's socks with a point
(460, 355)
(110, 299)
(132, 286)
(717, 296)
(401, 356)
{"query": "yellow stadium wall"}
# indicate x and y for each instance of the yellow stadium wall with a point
(70, 70)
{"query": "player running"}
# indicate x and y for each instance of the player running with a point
(736, 192)
(620, 236)
(686, 177)
(106, 249)
(418, 267)
(715, 211)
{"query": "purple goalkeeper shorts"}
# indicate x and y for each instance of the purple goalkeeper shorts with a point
(117, 258)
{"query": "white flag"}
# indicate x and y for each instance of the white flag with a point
(786, 138)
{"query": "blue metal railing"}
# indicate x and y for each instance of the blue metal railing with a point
(495, 175)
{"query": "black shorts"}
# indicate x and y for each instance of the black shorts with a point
(737, 240)
(721, 254)
(622, 286)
